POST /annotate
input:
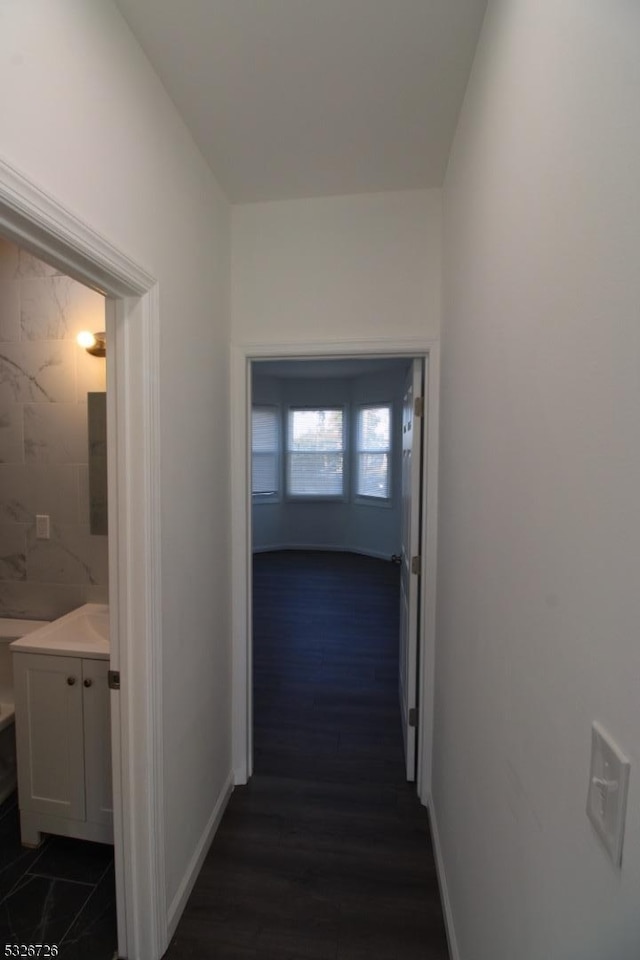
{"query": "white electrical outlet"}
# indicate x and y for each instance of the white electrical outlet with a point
(43, 529)
(607, 797)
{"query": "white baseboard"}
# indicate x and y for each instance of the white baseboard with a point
(323, 547)
(442, 883)
(183, 892)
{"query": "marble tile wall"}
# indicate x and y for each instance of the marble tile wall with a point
(44, 381)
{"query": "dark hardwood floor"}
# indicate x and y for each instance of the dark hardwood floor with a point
(326, 853)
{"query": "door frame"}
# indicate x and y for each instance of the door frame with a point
(242, 358)
(37, 222)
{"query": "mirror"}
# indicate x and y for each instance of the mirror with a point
(97, 415)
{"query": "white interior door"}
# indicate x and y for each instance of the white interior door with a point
(410, 564)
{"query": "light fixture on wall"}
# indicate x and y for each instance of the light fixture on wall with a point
(93, 343)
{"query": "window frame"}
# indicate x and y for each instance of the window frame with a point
(342, 497)
(362, 498)
(276, 497)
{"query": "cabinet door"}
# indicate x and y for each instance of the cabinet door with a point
(97, 741)
(49, 734)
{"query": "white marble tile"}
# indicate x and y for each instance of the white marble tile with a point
(30, 266)
(58, 308)
(9, 310)
(11, 433)
(12, 551)
(39, 601)
(72, 555)
(29, 489)
(98, 593)
(9, 259)
(37, 372)
(15, 497)
(54, 488)
(91, 374)
(44, 308)
(55, 433)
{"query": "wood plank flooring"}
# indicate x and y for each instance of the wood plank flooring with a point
(326, 853)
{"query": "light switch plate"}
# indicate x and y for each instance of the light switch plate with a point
(43, 530)
(607, 797)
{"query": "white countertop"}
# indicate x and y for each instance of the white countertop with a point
(82, 633)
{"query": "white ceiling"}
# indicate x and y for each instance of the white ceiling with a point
(299, 98)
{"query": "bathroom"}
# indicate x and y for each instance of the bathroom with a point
(50, 561)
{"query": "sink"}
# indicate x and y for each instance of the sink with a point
(82, 633)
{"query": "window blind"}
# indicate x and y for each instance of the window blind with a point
(315, 453)
(374, 448)
(265, 450)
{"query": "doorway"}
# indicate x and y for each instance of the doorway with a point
(331, 476)
(38, 224)
(243, 360)
(54, 530)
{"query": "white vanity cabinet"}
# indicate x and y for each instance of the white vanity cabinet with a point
(64, 746)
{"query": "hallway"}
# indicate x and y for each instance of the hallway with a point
(326, 853)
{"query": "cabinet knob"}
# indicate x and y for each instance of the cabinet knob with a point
(71, 681)
(88, 682)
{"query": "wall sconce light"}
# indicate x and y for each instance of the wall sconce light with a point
(93, 343)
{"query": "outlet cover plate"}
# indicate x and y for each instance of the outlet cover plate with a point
(608, 786)
(43, 528)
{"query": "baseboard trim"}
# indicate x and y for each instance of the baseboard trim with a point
(442, 883)
(323, 548)
(183, 892)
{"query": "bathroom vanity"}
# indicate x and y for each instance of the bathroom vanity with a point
(63, 735)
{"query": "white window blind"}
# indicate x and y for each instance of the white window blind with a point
(374, 449)
(315, 453)
(265, 452)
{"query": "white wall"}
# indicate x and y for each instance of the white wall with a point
(538, 606)
(350, 524)
(84, 116)
(337, 268)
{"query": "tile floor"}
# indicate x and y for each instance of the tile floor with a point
(63, 893)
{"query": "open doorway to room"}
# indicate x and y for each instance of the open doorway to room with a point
(57, 827)
(334, 691)
(69, 252)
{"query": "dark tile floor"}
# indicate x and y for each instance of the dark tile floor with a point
(63, 893)
(326, 853)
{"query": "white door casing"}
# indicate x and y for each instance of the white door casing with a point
(36, 221)
(410, 578)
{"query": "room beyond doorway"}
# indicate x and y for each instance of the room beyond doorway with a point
(325, 667)
(328, 471)
(318, 480)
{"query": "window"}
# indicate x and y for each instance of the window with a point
(265, 453)
(374, 452)
(315, 453)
